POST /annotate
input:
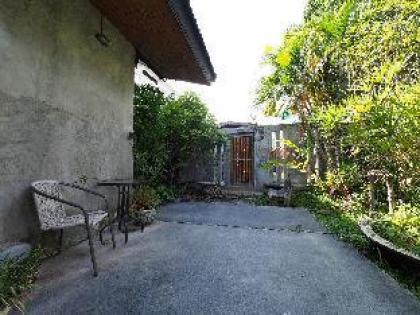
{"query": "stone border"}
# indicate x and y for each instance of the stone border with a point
(16, 252)
(375, 238)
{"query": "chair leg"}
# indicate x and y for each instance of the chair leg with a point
(112, 231)
(60, 240)
(101, 239)
(92, 251)
(125, 232)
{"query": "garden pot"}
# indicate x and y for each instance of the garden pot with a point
(395, 253)
(144, 217)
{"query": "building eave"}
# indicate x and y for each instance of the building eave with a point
(165, 35)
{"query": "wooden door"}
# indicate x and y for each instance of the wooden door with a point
(242, 160)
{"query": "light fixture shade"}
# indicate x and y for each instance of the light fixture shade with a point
(105, 41)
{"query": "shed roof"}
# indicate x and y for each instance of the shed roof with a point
(165, 35)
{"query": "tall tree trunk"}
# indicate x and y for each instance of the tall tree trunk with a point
(309, 166)
(322, 161)
(331, 157)
(372, 200)
(390, 193)
(316, 154)
(320, 155)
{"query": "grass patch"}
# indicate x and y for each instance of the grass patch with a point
(18, 277)
(402, 228)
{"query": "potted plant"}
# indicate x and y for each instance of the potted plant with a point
(143, 206)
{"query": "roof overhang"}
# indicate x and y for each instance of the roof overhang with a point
(165, 35)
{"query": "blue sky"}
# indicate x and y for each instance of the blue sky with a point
(236, 33)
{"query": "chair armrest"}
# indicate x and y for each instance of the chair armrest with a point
(60, 200)
(89, 191)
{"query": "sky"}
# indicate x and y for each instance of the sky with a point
(236, 33)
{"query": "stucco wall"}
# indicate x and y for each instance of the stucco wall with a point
(65, 103)
(262, 148)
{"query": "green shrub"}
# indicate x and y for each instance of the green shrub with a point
(169, 193)
(18, 277)
(344, 181)
(402, 228)
(357, 202)
(145, 198)
(150, 154)
(411, 192)
(168, 132)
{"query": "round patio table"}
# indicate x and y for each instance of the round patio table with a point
(124, 187)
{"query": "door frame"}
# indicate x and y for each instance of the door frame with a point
(250, 160)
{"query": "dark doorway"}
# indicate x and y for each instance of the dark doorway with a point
(242, 159)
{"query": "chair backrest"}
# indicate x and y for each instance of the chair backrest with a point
(50, 212)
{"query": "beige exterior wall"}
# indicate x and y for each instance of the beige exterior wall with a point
(65, 103)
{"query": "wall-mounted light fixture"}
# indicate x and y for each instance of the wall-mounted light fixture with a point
(101, 37)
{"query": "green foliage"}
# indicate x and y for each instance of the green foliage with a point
(150, 154)
(343, 181)
(169, 193)
(168, 132)
(190, 131)
(150, 198)
(411, 191)
(334, 24)
(316, 8)
(385, 133)
(294, 157)
(145, 198)
(351, 73)
(330, 119)
(381, 46)
(18, 277)
(402, 228)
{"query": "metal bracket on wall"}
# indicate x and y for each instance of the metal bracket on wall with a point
(101, 37)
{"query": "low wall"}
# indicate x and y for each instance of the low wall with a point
(263, 147)
(206, 167)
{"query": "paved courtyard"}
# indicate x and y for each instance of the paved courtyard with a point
(221, 258)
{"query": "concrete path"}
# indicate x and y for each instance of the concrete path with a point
(240, 214)
(223, 259)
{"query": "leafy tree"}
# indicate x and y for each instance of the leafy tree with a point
(351, 73)
(150, 154)
(169, 132)
(190, 131)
